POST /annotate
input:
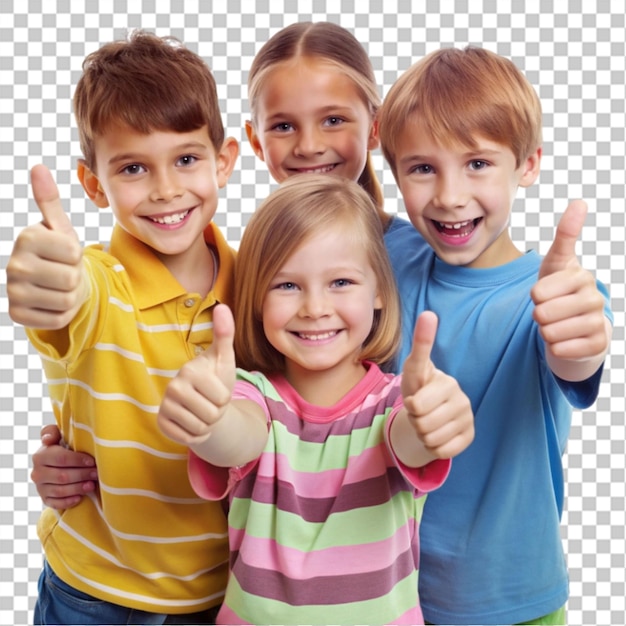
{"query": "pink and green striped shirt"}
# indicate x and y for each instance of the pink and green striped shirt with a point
(323, 526)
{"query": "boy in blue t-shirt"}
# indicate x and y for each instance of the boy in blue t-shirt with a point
(525, 337)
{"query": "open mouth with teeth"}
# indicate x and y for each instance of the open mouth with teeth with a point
(174, 218)
(457, 229)
(322, 169)
(319, 336)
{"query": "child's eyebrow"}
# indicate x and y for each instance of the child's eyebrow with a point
(414, 157)
(482, 152)
(337, 270)
(335, 107)
(136, 156)
(328, 108)
(486, 152)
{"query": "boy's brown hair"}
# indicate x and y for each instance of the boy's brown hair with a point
(336, 45)
(303, 206)
(147, 83)
(456, 95)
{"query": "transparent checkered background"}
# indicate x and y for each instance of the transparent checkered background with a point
(574, 56)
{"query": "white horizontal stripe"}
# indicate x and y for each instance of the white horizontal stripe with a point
(203, 326)
(135, 356)
(108, 443)
(128, 308)
(145, 493)
(139, 597)
(148, 408)
(162, 328)
(153, 371)
(151, 539)
(112, 559)
(112, 347)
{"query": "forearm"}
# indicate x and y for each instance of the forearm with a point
(579, 369)
(237, 438)
(405, 443)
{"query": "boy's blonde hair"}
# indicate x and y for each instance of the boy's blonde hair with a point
(337, 46)
(147, 83)
(456, 95)
(303, 206)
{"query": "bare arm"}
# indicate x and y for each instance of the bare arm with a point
(436, 421)
(197, 409)
(569, 308)
(237, 438)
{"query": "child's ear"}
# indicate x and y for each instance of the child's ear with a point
(91, 185)
(378, 302)
(226, 158)
(530, 168)
(253, 138)
(373, 141)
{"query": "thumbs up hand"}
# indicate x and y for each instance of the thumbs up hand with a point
(569, 308)
(437, 409)
(45, 281)
(197, 398)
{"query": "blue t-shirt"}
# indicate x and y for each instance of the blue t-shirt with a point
(490, 545)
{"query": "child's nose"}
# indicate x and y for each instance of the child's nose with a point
(450, 193)
(309, 142)
(166, 187)
(315, 305)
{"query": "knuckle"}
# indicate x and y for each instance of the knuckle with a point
(74, 251)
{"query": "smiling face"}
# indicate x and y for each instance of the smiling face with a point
(460, 198)
(162, 186)
(319, 308)
(310, 117)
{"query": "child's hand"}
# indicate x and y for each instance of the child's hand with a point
(197, 398)
(569, 309)
(61, 476)
(45, 282)
(439, 411)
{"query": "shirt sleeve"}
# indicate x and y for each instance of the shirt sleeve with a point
(210, 481)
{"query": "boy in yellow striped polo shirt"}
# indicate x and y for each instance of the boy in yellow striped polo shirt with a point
(113, 324)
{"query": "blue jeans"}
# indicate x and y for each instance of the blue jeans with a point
(59, 603)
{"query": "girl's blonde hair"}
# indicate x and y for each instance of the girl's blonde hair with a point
(337, 46)
(303, 206)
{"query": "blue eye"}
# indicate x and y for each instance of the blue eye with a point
(478, 164)
(342, 282)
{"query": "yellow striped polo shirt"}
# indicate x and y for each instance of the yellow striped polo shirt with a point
(144, 540)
